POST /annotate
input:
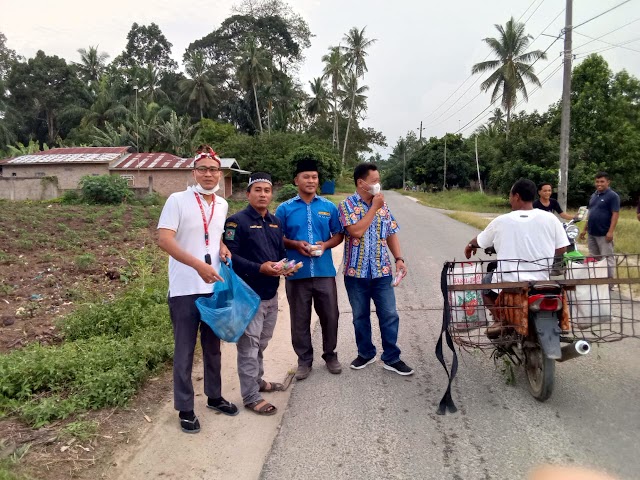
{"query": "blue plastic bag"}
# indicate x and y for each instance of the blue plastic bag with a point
(231, 307)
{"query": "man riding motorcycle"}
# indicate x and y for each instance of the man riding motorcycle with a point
(526, 241)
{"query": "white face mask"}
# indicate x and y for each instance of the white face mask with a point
(199, 188)
(375, 189)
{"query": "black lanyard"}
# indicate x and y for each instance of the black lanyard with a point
(207, 257)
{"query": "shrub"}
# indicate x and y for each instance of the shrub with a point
(71, 197)
(105, 189)
(286, 192)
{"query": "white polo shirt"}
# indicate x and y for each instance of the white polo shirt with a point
(182, 214)
(530, 237)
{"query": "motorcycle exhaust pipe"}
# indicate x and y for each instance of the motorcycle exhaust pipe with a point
(574, 350)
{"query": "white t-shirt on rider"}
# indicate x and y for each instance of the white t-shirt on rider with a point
(530, 237)
(182, 214)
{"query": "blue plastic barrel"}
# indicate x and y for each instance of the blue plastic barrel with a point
(328, 187)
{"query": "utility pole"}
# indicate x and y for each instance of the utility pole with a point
(478, 166)
(404, 167)
(565, 122)
(420, 129)
(444, 181)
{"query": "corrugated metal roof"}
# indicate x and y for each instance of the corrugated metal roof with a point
(83, 150)
(70, 155)
(149, 161)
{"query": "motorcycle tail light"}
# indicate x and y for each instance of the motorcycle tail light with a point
(547, 303)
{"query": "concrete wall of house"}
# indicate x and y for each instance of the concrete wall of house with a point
(166, 182)
(24, 188)
(69, 175)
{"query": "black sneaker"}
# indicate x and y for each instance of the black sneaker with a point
(362, 362)
(399, 367)
(189, 422)
(223, 406)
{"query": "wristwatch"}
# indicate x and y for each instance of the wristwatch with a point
(399, 258)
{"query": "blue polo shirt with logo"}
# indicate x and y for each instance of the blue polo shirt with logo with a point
(601, 208)
(311, 222)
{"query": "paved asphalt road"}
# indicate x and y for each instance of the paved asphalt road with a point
(374, 423)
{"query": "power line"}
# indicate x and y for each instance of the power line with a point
(604, 49)
(545, 80)
(612, 44)
(492, 103)
(545, 28)
(532, 13)
(601, 14)
(604, 35)
(481, 92)
(488, 55)
(525, 12)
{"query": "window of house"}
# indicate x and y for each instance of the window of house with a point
(131, 180)
(14, 174)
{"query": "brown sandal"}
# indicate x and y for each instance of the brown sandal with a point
(271, 387)
(262, 407)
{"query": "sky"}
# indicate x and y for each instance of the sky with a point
(423, 54)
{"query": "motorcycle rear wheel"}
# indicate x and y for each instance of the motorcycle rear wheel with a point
(541, 372)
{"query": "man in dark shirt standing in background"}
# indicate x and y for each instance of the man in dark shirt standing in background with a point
(255, 240)
(548, 204)
(604, 210)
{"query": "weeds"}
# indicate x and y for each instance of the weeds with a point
(110, 350)
(81, 430)
(85, 262)
(507, 371)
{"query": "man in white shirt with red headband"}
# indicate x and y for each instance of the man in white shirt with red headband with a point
(190, 231)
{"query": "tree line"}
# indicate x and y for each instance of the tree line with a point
(237, 90)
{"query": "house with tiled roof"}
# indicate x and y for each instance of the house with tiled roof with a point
(163, 173)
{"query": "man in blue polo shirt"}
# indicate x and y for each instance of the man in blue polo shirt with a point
(311, 229)
(604, 210)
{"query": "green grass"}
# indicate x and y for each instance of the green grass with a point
(472, 219)
(462, 200)
(627, 235)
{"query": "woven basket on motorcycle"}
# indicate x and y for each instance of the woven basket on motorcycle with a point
(512, 309)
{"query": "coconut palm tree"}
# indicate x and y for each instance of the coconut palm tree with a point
(497, 119)
(512, 67)
(318, 104)
(149, 80)
(92, 64)
(353, 98)
(197, 89)
(254, 70)
(355, 53)
(334, 69)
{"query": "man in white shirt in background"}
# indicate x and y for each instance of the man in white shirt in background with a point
(190, 231)
(526, 241)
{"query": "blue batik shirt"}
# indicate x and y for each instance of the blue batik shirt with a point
(366, 257)
(310, 222)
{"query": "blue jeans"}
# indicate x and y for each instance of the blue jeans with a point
(361, 291)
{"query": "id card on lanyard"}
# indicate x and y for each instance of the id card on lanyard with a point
(205, 223)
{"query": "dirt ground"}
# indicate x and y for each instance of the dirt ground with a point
(54, 257)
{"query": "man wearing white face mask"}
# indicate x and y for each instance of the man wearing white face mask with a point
(190, 231)
(369, 230)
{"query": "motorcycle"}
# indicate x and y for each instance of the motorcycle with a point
(571, 229)
(537, 341)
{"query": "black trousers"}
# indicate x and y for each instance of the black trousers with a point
(322, 292)
(185, 318)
